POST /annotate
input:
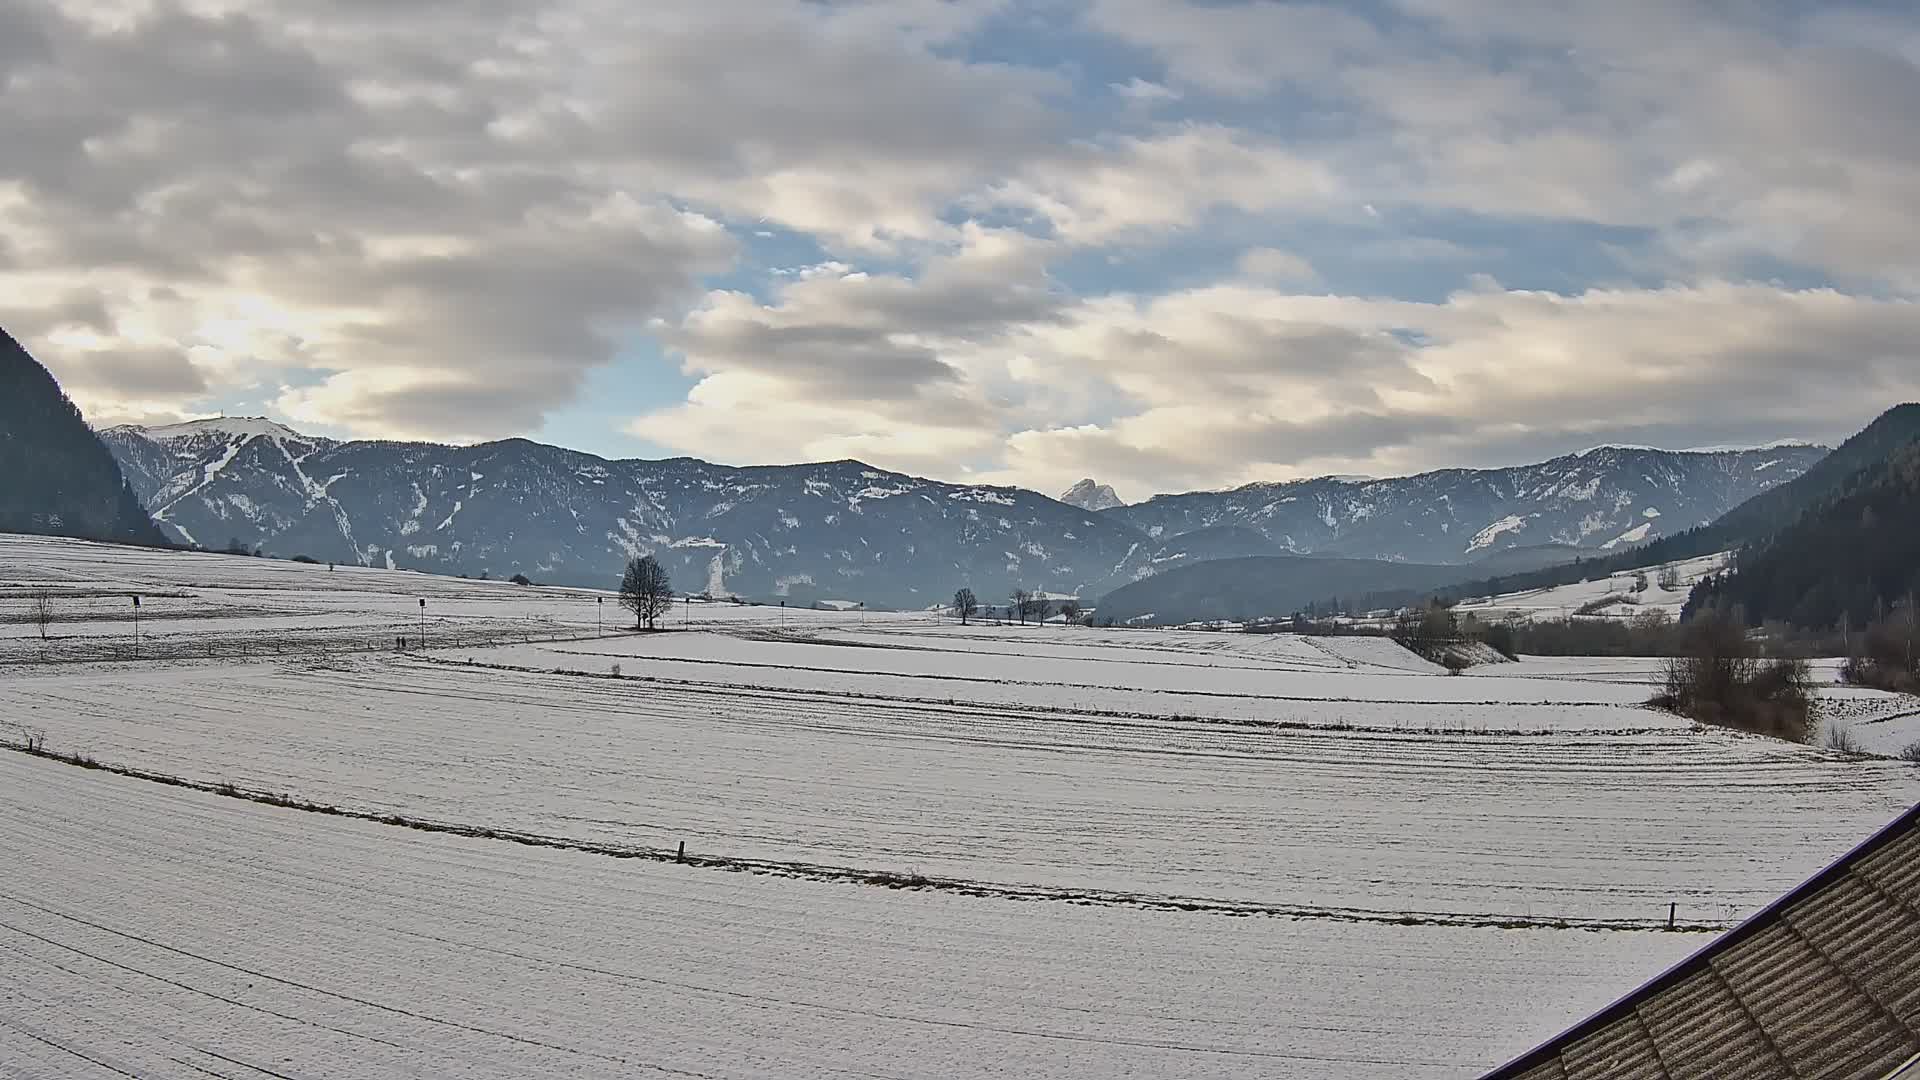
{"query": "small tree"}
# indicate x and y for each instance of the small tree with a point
(965, 605)
(646, 591)
(1640, 581)
(1669, 579)
(42, 611)
(1039, 605)
(1070, 609)
(1022, 603)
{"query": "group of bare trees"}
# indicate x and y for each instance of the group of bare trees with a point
(1719, 677)
(1023, 604)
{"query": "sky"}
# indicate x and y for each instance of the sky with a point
(1169, 244)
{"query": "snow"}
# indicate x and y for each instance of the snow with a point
(1734, 448)
(1564, 601)
(1492, 854)
(1631, 536)
(981, 495)
(1486, 537)
(241, 428)
(375, 951)
(1617, 446)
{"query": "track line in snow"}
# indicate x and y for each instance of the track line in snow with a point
(897, 880)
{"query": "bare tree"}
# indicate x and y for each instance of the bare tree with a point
(42, 611)
(1022, 603)
(1669, 579)
(1070, 609)
(646, 591)
(1041, 605)
(965, 605)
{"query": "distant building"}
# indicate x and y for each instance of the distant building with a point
(1823, 983)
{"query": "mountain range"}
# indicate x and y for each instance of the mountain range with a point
(844, 530)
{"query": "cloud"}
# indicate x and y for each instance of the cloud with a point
(1240, 381)
(1126, 188)
(1272, 263)
(435, 224)
(1140, 91)
(1225, 242)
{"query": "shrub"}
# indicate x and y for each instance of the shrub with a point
(1911, 752)
(1718, 679)
(1841, 739)
(1595, 607)
(521, 579)
(306, 559)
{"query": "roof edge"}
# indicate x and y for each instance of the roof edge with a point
(1748, 927)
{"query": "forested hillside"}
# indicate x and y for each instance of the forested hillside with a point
(55, 476)
(1853, 558)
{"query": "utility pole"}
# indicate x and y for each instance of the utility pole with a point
(136, 626)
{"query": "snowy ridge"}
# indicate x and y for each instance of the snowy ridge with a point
(240, 427)
(843, 528)
(1586, 500)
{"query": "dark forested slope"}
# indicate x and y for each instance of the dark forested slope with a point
(55, 475)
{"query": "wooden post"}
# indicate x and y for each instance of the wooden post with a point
(682, 856)
(1671, 909)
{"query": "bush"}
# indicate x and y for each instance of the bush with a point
(1718, 679)
(1911, 752)
(521, 579)
(306, 559)
(1841, 739)
(1595, 607)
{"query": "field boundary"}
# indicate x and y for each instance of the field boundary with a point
(29, 744)
(1069, 710)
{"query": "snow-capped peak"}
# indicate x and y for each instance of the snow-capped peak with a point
(1777, 444)
(1088, 495)
(232, 427)
(1618, 446)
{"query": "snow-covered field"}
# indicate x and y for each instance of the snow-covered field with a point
(1436, 871)
(1566, 601)
(156, 932)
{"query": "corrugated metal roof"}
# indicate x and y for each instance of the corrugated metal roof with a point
(1823, 983)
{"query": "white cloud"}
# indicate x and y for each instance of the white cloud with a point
(1274, 264)
(435, 219)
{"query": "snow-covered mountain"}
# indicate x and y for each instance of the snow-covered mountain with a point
(1607, 497)
(1088, 495)
(844, 530)
(820, 531)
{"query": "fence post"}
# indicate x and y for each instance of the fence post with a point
(682, 856)
(1671, 909)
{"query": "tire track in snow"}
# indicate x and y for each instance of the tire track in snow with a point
(893, 879)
